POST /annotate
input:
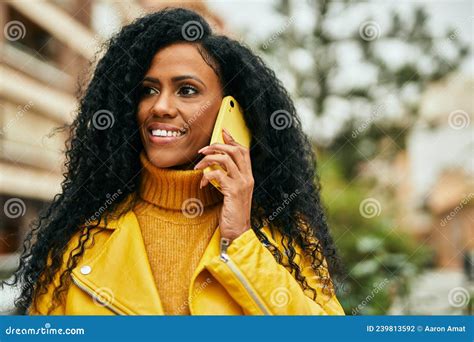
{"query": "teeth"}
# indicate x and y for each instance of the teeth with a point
(165, 133)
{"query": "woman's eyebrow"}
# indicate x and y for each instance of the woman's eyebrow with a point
(151, 79)
(185, 77)
(174, 79)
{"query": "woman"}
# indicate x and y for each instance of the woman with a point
(139, 229)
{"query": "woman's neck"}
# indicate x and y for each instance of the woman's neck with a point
(188, 166)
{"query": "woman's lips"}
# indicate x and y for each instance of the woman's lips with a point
(157, 140)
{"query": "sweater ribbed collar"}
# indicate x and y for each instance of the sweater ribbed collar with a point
(175, 189)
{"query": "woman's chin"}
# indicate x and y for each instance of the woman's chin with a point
(161, 160)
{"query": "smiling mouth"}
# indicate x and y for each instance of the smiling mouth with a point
(163, 137)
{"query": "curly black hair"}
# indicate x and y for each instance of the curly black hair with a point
(98, 162)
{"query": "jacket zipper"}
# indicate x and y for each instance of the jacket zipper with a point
(93, 295)
(233, 267)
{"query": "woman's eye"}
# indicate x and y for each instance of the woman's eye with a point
(146, 91)
(187, 90)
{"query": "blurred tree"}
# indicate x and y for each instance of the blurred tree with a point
(345, 69)
(368, 75)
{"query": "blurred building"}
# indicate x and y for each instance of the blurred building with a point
(442, 167)
(436, 196)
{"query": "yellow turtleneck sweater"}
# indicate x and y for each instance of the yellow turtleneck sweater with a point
(177, 220)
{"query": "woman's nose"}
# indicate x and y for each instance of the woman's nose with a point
(164, 106)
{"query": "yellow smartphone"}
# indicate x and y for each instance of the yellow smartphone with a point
(231, 118)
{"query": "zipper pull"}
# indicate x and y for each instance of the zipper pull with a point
(223, 246)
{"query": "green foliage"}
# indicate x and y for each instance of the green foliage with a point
(380, 259)
(321, 43)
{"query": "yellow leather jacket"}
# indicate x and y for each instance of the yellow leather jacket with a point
(114, 277)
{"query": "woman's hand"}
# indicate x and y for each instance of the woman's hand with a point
(237, 184)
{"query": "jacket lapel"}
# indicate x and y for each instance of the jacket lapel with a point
(119, 275)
